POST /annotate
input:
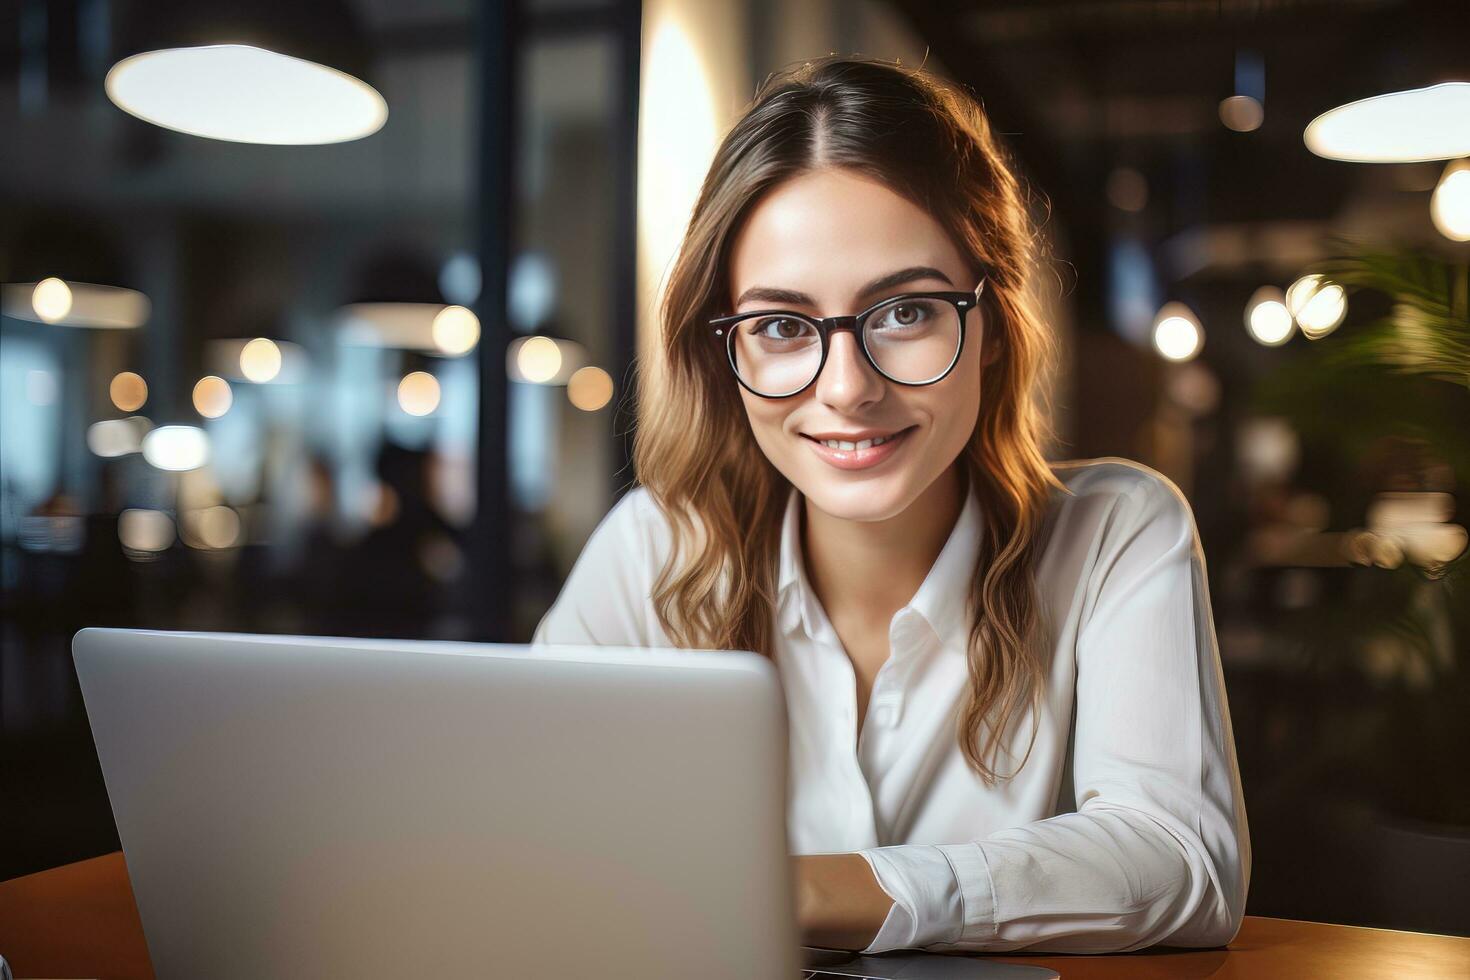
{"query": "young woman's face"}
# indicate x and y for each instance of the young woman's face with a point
(826, 234)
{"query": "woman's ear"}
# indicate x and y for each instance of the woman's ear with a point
(990, 338)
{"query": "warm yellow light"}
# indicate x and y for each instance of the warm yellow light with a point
(455, 330)
(1318, 304)
(1449, 208)
(145, 530)
(1267, 318)
(128, 391)
(1177, 334)
(245, 94)
(418, 393)
(51, 299)
(1300, 291)
(215, 527)
(75, 304)
(590, 388)
(260, 360)
(213, 396)
(677, 135)
(1242, 113)
(539, 359)
(1323, 312)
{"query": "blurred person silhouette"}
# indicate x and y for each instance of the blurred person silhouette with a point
(393, 578)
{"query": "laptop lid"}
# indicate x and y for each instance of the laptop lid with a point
(309, 807)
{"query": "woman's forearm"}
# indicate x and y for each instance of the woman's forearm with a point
(840, 905)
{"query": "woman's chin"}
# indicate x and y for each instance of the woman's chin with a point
(857, 500)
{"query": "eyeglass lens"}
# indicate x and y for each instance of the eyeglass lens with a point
(911, 340)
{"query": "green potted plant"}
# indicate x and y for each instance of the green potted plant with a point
(1382, 411)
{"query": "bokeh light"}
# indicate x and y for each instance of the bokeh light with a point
(176, 447)
(1449, 208)
(1318, 304)
(455, 330)
(1127, 189)
(1242, 113)
(211, 527)
(128, 391)
(260, 360)
(418, 393)
(1267, 318)
(212, 396)
(590, 388)
(51, 299)
(116, 437)
(1177, 334)
(539, 359)
(146, 531)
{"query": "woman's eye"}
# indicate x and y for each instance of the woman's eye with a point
(780, 328)
(906, 315)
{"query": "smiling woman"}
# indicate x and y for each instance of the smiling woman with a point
(840, 455)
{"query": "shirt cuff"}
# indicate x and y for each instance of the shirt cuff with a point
(977, 892)
(928, 904)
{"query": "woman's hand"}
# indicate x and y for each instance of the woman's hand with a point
(839, 904)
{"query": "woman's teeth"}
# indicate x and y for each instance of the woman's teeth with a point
(865, 444)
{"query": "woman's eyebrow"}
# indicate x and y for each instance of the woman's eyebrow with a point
(771, 294)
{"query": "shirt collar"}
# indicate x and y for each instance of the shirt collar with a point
(942, 599)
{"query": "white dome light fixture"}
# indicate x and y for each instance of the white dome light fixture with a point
(1431, 123)
(66, 303)
(245, 94)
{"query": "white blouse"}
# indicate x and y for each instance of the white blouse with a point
(1126, 827)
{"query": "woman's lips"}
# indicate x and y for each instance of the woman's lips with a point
(860, 459)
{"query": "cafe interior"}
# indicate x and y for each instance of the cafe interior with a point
(378, 379)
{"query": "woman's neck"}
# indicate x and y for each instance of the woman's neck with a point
(868, 570)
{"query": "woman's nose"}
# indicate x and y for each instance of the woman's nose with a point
(847, 379)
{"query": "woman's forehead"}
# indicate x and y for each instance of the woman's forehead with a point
(828, 233)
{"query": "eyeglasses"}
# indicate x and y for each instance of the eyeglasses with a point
(913, 339)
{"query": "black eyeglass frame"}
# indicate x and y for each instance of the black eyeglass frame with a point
(825, 326)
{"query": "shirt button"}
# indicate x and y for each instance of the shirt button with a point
(884, 714)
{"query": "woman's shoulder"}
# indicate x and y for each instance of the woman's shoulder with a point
(633, 525)
(638, 511)
(1115, 476)
(1117, 487)
(637, 533)
(605, 598)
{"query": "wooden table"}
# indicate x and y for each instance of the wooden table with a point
(80, 921)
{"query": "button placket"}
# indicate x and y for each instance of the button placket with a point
(905, 637)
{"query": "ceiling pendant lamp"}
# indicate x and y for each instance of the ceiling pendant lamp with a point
(1431, 123)
(398, 301)
(273, 73)
(62, 272)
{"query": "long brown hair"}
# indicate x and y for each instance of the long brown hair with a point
(693, 449)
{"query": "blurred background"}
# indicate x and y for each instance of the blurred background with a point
(374, 378)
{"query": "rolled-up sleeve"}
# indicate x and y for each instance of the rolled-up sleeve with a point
(1158, 850)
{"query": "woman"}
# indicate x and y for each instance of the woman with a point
(1008, 727)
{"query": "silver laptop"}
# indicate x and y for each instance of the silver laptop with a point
(321, 807)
